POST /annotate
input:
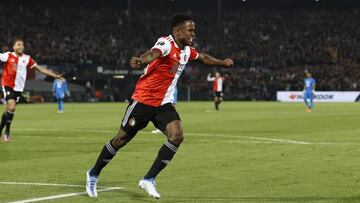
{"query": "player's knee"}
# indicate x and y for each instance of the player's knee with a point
(11, 108)
(176, 137)
(120, 141)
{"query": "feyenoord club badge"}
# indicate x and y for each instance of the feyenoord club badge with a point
(132, 122)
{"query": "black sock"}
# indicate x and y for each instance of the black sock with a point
(9, 117)
(3, 122)
(217, 105)
(166, 153)
(104, 158)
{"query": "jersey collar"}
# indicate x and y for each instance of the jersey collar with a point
(173, 41)
(14, 54)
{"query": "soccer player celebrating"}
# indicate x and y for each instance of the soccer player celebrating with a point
(309, 91)
(16, 65)
(218, 82)
(152, 100)
(59, 90)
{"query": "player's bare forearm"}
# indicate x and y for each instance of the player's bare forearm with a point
(212, 61)
(145, 58)
(48, 72)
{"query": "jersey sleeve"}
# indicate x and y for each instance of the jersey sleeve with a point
(31, 63)
(210, 79)
(4, 56)
(193, 54)
(163, 45)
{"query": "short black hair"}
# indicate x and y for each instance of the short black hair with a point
(17, 39)
(179, 18)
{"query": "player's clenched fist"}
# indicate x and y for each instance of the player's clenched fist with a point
(135, 62)
(228, 62)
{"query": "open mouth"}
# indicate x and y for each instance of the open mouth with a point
(191, 40)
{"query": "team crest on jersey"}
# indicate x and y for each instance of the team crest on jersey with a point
(183, 58)
(15, 66)
(132, 122)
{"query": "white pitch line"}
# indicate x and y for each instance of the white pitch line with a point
(266, 140)
(64, 130)
(251, 138)
(50, 184)
(195, 134)
(60, 196)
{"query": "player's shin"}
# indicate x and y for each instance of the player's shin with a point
(9, 118)
(165, 155)
(311, 104)
(306, 102)
(61, 104)
(107, 153)
(3, 122)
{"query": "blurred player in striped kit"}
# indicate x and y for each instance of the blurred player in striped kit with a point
(218, 82)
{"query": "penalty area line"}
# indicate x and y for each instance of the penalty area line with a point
(60, 196)
(103, 189)
(50, 184)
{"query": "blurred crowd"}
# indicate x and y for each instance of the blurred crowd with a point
(271, 48)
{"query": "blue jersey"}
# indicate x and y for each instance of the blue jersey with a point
(60, 88)
(309, 86)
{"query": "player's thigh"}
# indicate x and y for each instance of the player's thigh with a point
(137, 117)
(11, 104)
(164, 115)
(11, 98)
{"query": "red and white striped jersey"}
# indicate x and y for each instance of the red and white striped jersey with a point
(15, 70)
(157, 85)
(217, 83)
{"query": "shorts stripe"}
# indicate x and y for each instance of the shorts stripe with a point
(4, 92)
(126, 118)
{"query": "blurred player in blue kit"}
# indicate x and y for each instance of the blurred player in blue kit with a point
(309, 91)
(60, 89)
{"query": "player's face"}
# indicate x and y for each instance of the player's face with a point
(187, 33)
(19, 47)
(217, 75)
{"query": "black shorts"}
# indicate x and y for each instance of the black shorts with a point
(218, 94)
(138, 116)
(10, 93)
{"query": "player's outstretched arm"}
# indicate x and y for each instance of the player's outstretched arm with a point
(146, 58)
(212, 61)
(48, 72)
(209, 78)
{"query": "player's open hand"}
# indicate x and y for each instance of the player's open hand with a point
(135, 62)
(228, 62)
(59, 77)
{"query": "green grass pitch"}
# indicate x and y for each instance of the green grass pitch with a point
(246, 152)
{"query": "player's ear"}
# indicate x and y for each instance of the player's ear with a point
(177, 31)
